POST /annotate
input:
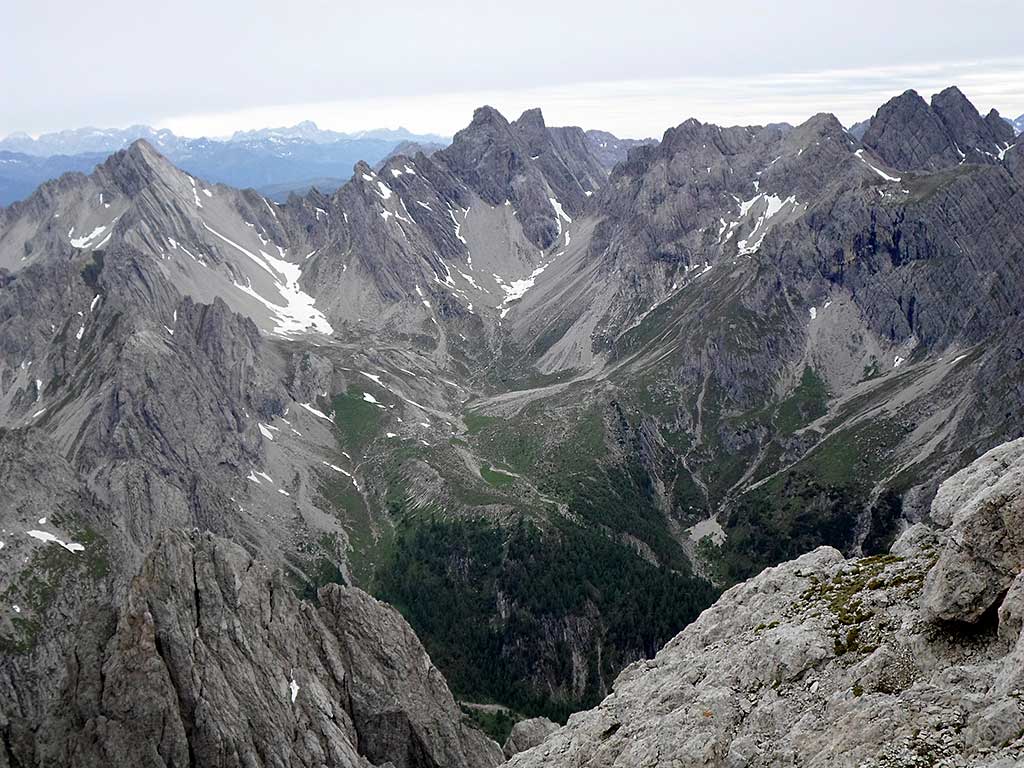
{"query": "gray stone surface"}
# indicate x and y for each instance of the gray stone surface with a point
(527, 734)
(910, 134)
(983, 551)
(211, 660)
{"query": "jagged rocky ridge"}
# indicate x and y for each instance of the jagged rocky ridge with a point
(462, 380)
(211, 660)
(904, 659)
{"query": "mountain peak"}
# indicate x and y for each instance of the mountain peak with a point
(951, 95)
(909, 95)
(532, 119)
(821, 125)
(910, 134)
(907, 133)
(135, 167)
(487, 115)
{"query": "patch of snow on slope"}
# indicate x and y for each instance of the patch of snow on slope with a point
(195, 193)
(316, 412)
(860, 155)
(517, 288)
(83, 242)
(458, 226)
(559, 216)
(46, 536)
(299, 313)
(773, 204)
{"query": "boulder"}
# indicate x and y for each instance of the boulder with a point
(527, 734)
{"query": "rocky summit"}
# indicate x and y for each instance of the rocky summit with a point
(694, 451)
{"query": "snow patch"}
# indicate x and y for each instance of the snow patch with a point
(772, 205)
(83, 242)
(316, 412)
(46, 536)
(860, 155)
(299, 313)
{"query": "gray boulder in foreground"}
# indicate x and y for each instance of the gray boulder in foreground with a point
(527, 734)
(212, 661)
(824, 662)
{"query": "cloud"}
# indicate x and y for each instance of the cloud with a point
(646, 107)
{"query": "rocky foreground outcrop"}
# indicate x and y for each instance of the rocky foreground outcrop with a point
(915, 658)
(527, 734)
(212, 661)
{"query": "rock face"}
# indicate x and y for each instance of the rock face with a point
(527, 734)
(610, 150)
(985, 551)
(522, 162)
(210, 660)
(823, 661)
(910, 134)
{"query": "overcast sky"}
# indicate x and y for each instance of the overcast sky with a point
(209, 67)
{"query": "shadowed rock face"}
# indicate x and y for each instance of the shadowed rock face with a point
(210, 660)
(910, 134)
(523, 163)
(824, 661)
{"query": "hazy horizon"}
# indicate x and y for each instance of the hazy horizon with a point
(363, 67)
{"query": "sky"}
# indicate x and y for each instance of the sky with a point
(211, 67)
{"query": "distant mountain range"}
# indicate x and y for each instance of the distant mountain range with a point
(109, 140)
(309, 131)
(275, 161)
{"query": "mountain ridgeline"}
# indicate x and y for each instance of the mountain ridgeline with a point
(276, 161)
(545, 392)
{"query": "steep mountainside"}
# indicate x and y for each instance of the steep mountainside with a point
(545, 411)
(211, 660)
